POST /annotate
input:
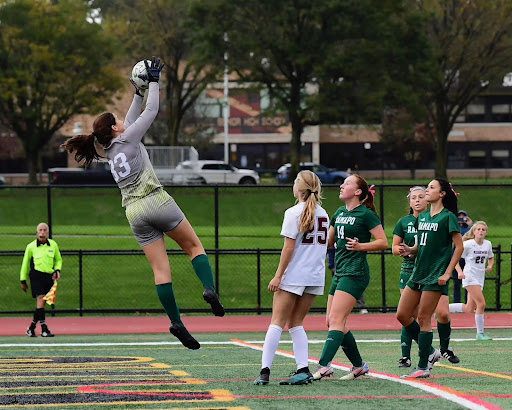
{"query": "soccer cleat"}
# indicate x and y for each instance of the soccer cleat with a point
(180, 331)
(451, 356)
(482, 336)
(356, 372)
(404, 362)
(417, 374)
(363, 311)
(323, 371)
(263, 380)
(45, 332)
(31, 332)
(433, 358)
(298, 378)
(212, 298)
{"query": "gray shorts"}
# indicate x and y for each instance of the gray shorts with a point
(150, 217)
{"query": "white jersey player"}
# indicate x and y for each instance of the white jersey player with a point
(479, 259)
(299, 277)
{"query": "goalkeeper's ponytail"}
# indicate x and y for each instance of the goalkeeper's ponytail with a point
(84, 145)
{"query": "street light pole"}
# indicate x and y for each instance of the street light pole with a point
(225, 107)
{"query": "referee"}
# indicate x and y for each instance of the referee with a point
(42, 262)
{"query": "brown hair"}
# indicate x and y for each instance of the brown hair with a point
(310, 191)
(84, 146)
(366, 196)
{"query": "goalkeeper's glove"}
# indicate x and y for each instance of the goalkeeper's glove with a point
(154, 69)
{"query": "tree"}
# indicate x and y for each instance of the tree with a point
(159, 27)
(471, 47)
(319, 59)
(55, 64)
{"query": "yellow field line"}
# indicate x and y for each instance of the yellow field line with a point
(463, 369)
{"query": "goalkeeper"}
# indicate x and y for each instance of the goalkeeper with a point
(42, 263)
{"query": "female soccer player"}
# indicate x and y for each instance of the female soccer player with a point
(405, 232)
(477, 252)
(300, 276)
(150, 210)
(351, 227)
(438, 230)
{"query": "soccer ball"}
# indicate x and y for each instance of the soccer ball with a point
(138, 70)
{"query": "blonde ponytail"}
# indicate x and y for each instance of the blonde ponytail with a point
(310, 191)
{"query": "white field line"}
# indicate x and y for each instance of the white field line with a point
(420, 385)
(168, 343)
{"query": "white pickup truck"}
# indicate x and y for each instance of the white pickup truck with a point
(207, 172)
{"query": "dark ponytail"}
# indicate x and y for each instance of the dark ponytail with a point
(450, 198)
(366, 196)
(84, 145)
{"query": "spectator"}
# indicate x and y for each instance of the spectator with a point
(465, 223)
(42, 263)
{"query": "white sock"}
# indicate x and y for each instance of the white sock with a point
(479, 320)
(300, 346)
(456, 307)
(270, 346)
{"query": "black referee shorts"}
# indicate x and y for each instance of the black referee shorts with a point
(40, 283)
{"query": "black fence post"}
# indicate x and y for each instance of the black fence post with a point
(49, 209)
(497, 259)
(383, 280)
(80, 284)
(258, 280)
(216, 206)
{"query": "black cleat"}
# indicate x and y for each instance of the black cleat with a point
(212, 298)
(264, 377)
(31, 332)
(180, 331)
(404, 362)
(45, 332)
(451, 356)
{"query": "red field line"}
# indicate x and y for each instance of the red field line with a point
(210, 324)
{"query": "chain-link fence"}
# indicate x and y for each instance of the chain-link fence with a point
(105, 270)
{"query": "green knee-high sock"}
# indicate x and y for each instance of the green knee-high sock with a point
(331, 346)
(349, 346)
(445, 331)
(204, 271)
(406, 342)
(413, 330)
(425, 347)
(166, 295)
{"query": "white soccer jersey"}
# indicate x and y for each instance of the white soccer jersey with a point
(476, 257)
(307, 266)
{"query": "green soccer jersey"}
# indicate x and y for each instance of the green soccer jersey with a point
(406, 229)
(434, 245)
(356, 223)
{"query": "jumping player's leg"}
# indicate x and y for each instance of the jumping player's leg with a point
(185, 236)
(157, 256)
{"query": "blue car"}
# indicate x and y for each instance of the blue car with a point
(326, 175)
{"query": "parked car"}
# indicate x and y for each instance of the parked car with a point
(218, 172)
(326, 175)
(98, 174)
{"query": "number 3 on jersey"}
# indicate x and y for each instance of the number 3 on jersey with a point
(320, 234)
(121, 162)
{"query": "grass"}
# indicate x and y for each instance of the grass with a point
(248, 218)
(150, 371)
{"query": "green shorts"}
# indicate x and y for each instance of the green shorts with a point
(353, 285)
(404, 278)
(444, 289)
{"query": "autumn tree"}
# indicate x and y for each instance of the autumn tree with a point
(471, 48)
(55, 63)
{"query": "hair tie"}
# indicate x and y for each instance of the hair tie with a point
(94, 134)
(371, 190)
(453, 190)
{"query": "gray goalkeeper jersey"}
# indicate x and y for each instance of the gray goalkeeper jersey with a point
(128, 159)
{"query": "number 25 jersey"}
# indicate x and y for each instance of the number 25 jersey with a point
(307, 266)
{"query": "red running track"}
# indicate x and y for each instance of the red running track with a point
(210, 324)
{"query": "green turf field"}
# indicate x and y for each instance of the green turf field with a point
(154, 371)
